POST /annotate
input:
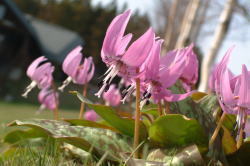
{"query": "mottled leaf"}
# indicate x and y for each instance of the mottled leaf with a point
(124, 125)
(176, 130)
(101, 140)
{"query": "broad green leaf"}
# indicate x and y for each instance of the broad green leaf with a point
(87, 123)
(187, 156)
(229, 122)
(228, 142)
(19, 135)
(241, 157)
(101, 140)
(124, 125)
(176, 130)
(198, 95)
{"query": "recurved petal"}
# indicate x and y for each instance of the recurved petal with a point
(168, 76)
(152, 63)
(140, 49)
(226, 92)
(114, 36)
(244, 91)
(221, 66)
(32, 68)
(177, 97)
(122, 45)
(72, 61)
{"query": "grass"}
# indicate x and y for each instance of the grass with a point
(16, 111)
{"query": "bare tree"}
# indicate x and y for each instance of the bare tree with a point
(188, 23)
(219, 35)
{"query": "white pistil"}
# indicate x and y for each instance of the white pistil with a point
(130, 90)
(99, 93)
(110, 75)
(65, 83)
(29, 88)
(41, 109)
(143, 102)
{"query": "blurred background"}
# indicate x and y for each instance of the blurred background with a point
(32, 28)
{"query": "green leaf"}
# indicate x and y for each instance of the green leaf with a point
(87, 123)
(101, 140)
(241, 156)
(228, 142)
(19, 135)
(187, 156)
(124, 125)
(176, 130)
(229, 122)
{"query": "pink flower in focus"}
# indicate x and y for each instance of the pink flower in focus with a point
(40, 72)
(80, 70)
(112, 96)
(121, 62)
(48, 99)
(91, 115)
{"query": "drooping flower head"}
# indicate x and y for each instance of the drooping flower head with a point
(79, 70)
(233, 91)
(40, 72)
(122, 62)
(189, 77)
(91, 115)
(112, 97)
(48, 99)
(163, 72)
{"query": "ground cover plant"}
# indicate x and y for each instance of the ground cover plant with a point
(165, 121)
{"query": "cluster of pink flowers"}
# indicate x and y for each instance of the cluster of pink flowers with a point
(233, 91)
(40, 72)
(79, 70)
(142, 60)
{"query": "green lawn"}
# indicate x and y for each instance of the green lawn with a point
(17, 111)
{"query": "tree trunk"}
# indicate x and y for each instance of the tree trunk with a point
(188, 23)
(219, 35)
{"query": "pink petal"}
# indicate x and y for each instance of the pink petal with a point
(139, 50)
(152, 63)
(32, 68)
(244, 91)
(225, 89)
(72, 61)
(114, 37)
(177, 97)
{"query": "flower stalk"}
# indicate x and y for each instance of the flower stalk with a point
(137, 119)
(217, 129)
(82, 108)
(160, 109)
(55, 111)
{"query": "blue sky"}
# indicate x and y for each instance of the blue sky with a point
(239, 34)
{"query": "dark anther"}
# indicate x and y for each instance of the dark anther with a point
(124, 94)
(128, 87)
(149, 95)
(106, 88)
(244, 135)
(43, 62)
(147, 102)
(99, 84)
(144, 94)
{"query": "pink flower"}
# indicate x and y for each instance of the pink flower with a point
(80, 70)
(91, 115)
(121, 62)
(40, 72)
(161, 73)
(112, 96)
(48, 99)
(189, 75)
